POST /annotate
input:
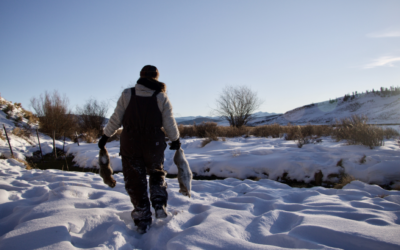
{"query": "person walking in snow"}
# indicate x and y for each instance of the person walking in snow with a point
(142, 111)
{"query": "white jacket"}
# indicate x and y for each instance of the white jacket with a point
(164, 105)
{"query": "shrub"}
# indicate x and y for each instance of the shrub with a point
(322, 130)
(273, 130)
(390, 133)
(293, 132)
(90, 136)
(206, 129)
(92, 117)
(8, 108)
(233, 131)
(205, 142)
(396, 186)
(32, 119)
(27, 165)
(340, 163)
(346, 179)
(54, 115)
(356, 131)
(186, 131)
(212, 130)
(363, 159)
(2, 136)
(18, 119)
(24, 132)
(307, 130)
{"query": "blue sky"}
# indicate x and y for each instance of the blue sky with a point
(292, 53)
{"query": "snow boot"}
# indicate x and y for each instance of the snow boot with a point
(143, 226)
(161, 212)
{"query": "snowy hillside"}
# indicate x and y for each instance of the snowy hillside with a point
(379, 110)
(25, 144)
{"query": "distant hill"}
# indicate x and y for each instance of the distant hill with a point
(198, 120)
(379, 108)
(189, 120)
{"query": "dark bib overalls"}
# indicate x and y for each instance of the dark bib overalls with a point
(142, 151)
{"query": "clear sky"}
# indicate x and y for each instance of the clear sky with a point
(292, 53)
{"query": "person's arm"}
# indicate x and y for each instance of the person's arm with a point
(169, 123)
(115, 121)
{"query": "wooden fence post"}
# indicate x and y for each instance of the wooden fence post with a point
(40, 146)
(9, 144)
(64, 142)
(54, 144)
(77, 139)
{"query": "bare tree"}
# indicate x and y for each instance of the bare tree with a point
(92, 115)
(53, 113)
(237, 104)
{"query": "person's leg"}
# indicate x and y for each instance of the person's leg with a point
(134, 170)
(158, 189)
(154, 159)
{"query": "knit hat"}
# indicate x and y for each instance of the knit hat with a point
(149, 71)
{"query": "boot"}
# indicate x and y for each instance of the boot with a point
(161, 212)
(143, 226)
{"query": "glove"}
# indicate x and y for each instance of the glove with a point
(175, 145)
(103, 141)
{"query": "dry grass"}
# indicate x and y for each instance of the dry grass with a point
(346, 179)
(390, 133)
(32, 119)
(27, 165)
(2, 136)
(340, 163)
(293, 132)
(90, 136)
(363, 159)
(205, 142)
(211, 130)
(396, 186)
(23, 132)
(356, 131)
(8, 108)
(382, 196)
(274, 130)
(18, 119)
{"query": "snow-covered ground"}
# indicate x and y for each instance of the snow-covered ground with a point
(270, 158)
(52, 209)
(69, 210)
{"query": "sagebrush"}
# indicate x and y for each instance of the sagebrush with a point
(54, 115)
(355, 130)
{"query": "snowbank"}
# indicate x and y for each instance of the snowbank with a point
(270, 158)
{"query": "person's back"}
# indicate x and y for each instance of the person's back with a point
(142, 111)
